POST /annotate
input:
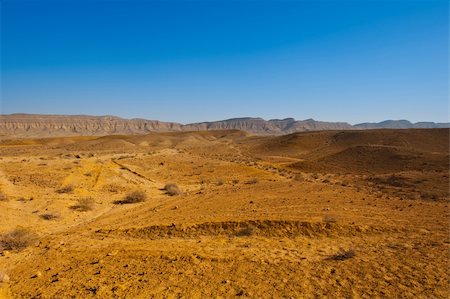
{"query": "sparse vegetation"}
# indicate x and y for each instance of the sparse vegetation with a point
(113, 188)
(245, 232)
(345, 183)
(299, 177)
(329, 219)
(49, 216)
(84, 204)
(252, 181)
(429, 196)
(220, 182)
(18, 239)
(343, 255)
(66, 189)
(133, 197)
(24, 199)
(172, 189)
(3, 197)
(235, 181)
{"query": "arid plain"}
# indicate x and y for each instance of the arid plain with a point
(338, 214)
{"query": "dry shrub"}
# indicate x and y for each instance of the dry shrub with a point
(245, 232)
(343, 255)
(84, 204)
(114, 188)
(429, 196)
(172, 189)
(3, 197)
(299, 177)
(133, 197)
(220, 182)
(18, 239)
(252, 181)
(49, 216)
(345, 183)
(66, 189)
(235, 182)
(329, 219)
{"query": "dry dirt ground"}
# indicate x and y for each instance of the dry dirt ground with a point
(355, 214)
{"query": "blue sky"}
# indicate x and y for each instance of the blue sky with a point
(190, 61)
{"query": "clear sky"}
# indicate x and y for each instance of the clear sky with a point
(190, 61)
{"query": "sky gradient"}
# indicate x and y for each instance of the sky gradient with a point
(190, 61)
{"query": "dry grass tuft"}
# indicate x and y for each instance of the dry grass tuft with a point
(114, 188)
(66, 189)
(133, 197)
(172, 189)
(84, 204)
(49, 216)
(18, 239)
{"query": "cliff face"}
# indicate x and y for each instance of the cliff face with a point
(33, 125)
(60, 125)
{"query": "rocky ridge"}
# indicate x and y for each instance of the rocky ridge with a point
(35, 125)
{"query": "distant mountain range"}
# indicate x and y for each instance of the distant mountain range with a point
(37, 125)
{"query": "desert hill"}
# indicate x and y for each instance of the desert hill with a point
(334, 214)
(35, 125)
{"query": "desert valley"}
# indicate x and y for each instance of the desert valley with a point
(226, 213)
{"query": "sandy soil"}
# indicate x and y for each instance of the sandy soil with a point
(359, 214)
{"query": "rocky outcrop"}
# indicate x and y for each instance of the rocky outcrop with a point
(61, 125)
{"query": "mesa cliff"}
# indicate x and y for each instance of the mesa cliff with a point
(36, 125)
